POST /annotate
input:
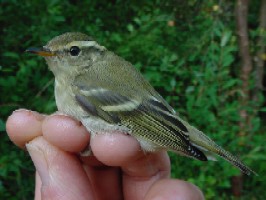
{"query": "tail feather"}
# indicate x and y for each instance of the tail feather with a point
(210, 148)
(234, 160)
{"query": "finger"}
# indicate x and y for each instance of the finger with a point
(24, 125)
(139, 170)
(114, 149)
(97, 169)
(65, 133)
(174, 190)
(62, 175)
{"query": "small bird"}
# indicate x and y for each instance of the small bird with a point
(108, 94)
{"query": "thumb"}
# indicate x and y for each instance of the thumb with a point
(62, 176)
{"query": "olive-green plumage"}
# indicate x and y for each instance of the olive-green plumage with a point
(107, 94)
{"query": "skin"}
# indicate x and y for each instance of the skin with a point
(117, 170)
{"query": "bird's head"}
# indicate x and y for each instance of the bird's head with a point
(68, 53)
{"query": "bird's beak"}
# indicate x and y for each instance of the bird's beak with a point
(40, 51)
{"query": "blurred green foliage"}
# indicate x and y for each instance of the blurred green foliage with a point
(188, 50)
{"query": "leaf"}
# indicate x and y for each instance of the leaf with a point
(225, 38)
(11, 55)
(227, 60)
(130, 27)
(2, 125)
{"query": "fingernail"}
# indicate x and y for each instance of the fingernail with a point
(39, 161)
(59, 113)
(36, 115)
(19, 110)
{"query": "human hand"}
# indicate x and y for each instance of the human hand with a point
(117, 170)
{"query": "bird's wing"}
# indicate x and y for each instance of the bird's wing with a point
(150, 119)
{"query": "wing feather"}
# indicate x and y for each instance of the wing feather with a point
(151, 119)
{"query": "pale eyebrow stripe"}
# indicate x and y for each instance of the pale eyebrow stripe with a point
(85, 44)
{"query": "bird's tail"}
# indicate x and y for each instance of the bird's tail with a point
(210, 148)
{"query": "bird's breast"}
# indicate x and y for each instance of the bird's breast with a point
(65, 100)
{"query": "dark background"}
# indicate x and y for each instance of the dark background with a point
(188, 50)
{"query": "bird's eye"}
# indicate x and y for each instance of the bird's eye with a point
(74, 51)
